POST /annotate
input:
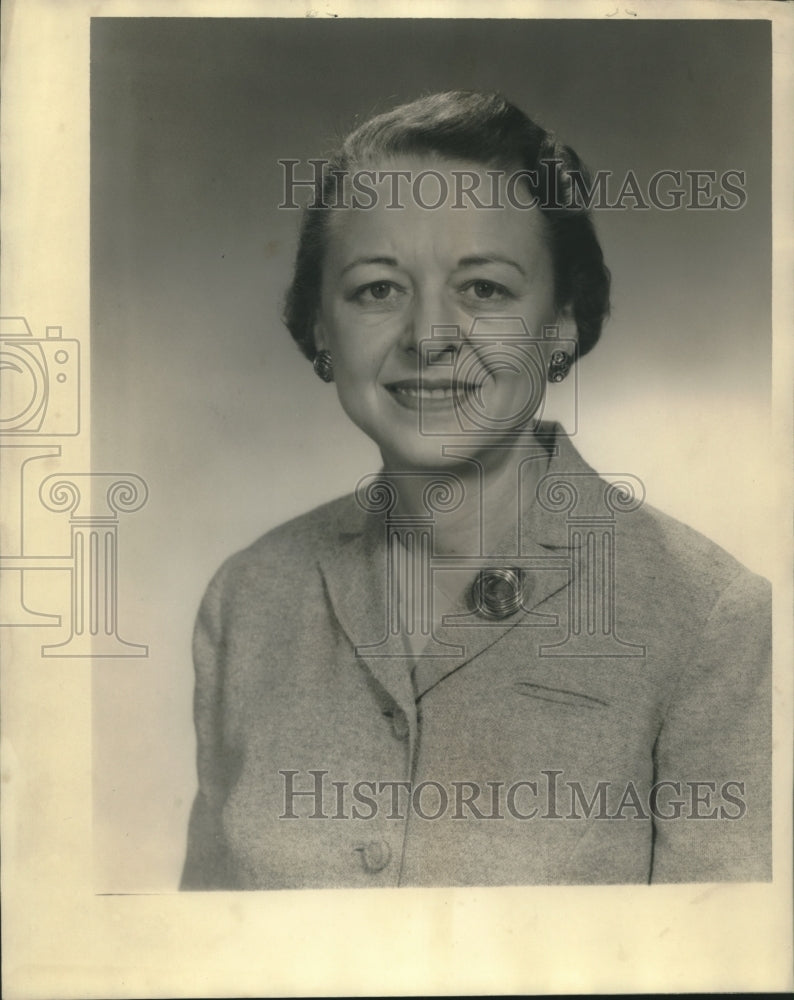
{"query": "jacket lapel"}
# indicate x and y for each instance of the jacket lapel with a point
(356, 571)
(546, 572)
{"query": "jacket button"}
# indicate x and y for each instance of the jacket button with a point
(375, 855)
(399, 724)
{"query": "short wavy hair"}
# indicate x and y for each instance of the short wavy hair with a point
(480, 128)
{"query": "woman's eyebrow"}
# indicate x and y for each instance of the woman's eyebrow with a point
(388, 261)
(491, 258)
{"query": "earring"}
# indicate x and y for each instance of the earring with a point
(559, 366)
(323, 366)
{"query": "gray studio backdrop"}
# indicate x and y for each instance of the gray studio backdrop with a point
(197, 387)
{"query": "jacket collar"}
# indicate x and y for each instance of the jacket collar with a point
(356, 572)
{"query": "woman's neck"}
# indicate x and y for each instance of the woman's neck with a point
(475, 500)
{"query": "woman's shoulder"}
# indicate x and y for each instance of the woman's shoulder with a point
(295, 545)
(674, 556)
(657, 555)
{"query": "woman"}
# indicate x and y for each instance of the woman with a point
(488, 665)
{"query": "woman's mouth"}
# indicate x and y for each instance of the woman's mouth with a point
(418, 393)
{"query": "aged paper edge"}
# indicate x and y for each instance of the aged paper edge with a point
(62, 940)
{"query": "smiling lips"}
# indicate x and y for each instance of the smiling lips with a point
(412, 392)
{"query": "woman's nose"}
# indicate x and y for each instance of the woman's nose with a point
(427, 313)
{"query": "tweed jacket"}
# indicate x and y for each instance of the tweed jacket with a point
(614, 728)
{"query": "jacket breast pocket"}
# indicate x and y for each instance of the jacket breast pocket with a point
(559, 696)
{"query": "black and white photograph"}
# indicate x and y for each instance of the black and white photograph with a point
(412, 506)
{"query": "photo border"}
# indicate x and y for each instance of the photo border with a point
(59, 938)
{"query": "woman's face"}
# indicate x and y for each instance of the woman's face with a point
(393, 276)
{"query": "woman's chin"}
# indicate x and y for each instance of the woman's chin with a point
(423, 458)
(434, 454)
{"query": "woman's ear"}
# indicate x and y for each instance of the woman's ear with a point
(565, 315)
(320, 340)
(567, 323)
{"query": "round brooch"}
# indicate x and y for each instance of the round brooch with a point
(498, 593)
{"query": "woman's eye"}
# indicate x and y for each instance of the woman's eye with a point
(482, 289)
(377, 291)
